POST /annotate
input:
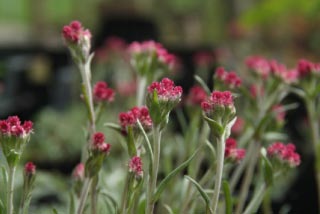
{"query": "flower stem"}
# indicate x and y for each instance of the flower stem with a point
(125, 195)
(10, 208)
(93, 197)
(142, 81)
(84, 194)
(247, 179)
(219, 171)
(152, 181)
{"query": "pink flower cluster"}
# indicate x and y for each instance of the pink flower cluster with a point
(280, 113)
(284, 153)
(112, 45)
(148, 47)
(203, 58)
(306, 67)
(131, 117)
(230, 79)
(74, 32)
(238, 126)
(12, 127)
(266, 68)
(217, 98)
(232, 152)
(135, 166)
(196, 95)
(102, 92)
(166, 90)
(98, 143)
(30, 168)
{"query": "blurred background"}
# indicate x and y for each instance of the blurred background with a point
(38, 80)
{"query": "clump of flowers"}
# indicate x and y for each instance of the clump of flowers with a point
(306, 68)
(135, 166)
(131, 118)
(284, 154)
(258, 64)
(102, 93)
(161, 98)
(78, 40)
(230, 79)
(233, 153)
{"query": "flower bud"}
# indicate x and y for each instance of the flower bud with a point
(135, 166)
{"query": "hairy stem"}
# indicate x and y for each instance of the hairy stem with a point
(84, 194)
(256, 201)
(10, 208)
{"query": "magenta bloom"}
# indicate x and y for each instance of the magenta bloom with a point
(74, 32)
(217, 98)
(12, 127)
(238, 126)
(232, 152)
(30, 168)
(135, 166)
(166, 90)
(259, 65)
(230, 79)
(131, 118)
(102, 93)
(98, 143)
(280, 113)
(196, 95)
(286, 154)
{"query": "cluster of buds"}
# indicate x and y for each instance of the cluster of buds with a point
(78, 172)
(29, 175)
(29, 169)
(112, 46)
(280, 113)
(196, 96)
(265, 68)
(99, 149)
(233, 153)
(306, 68)
(230, 79)
(131, 118)
(219, 112)
(284, 154)
(150, 55)
(102, 93)
(162, 97)
(204, 58)
(78, 40)
(13, 137)
(238, 126)
(135, 166)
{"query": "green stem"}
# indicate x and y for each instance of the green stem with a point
(10, 208)
(94, 195)
(142, 81)
(256, 201)
(247, 179)
(219, 171)
(152, 181)
(84, 195)
(125, 195)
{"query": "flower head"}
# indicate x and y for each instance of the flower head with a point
(135, 166)
(99, 144)
(216, 100)
(12, 127)
(102, 93)
(166, 90)
(259, 65)
(285, 154)
(232, 152)
(230, 79)
(238, 126)
(30, 168)
(78, 172)
(131, 118)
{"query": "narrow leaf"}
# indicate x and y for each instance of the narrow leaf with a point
(202, 83)
(72, 204)
(267, 169)
(168, 208)
(228, 197)
(113, 126)
(201, 191)
(112, 200)
(167, 179)
(130, 143)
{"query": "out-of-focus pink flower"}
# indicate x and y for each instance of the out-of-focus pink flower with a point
(284, 153)
(306, 67)
(256, 90)
(196, 95)
(135, 166)
(203, 58)
(30, 168)
(232, 152)
(74, 32)
(259, 64)
(238, 126)
(102, 93)
(131, 118)
(78, 172)
(166, 90)
(230, 79)
(126, 89)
